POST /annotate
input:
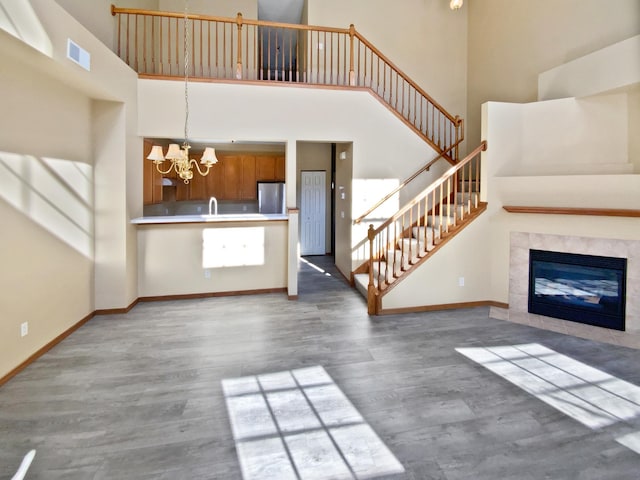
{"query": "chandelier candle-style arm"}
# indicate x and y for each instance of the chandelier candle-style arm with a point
(180, 161)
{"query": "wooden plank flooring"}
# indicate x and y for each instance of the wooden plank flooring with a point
(138, 396)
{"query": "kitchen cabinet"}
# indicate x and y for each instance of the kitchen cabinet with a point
(152, 181)
(265, 168)
(280, 171)
(215, 180)
(198, 185)
(248, 188)
(234, 177)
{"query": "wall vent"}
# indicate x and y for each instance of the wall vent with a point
(78, 55)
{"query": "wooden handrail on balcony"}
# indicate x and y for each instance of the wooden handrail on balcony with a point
(244, 49)
(434, 214)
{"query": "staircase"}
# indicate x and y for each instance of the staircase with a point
(419, 229)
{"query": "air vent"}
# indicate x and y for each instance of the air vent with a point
(79, 55)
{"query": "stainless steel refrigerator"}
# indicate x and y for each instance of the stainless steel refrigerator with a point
(271, 197)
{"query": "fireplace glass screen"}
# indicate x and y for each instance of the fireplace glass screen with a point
(581, 288)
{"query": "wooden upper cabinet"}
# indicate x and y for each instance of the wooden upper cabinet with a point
(152, 181)
(265, 168)
(248, 190)
(198, 184)
(215, 180)
(232, 177)
(148, 168)
(280, 169)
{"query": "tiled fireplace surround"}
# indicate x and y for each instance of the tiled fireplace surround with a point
(521, 243)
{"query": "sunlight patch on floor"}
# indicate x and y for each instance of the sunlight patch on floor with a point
(586, 394)
(298, 424)
(315, 267)
(631, 441)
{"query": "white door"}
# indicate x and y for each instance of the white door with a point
(312, 213)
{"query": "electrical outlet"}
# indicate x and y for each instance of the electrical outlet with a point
(461, 281)
(24, 329)
(207, 273)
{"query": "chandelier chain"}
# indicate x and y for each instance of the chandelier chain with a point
(186, 72)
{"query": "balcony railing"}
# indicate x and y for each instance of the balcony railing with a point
(239, 49)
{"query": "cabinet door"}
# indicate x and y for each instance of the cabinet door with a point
(232, 177)
(198, 185)
(248, 190)
(265, 168)
(215, 180)
(149, 167)
(152, 181)
(280, 171)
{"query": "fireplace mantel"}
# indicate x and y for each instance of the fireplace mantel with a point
(594, 212)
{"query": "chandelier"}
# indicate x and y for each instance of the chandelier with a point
(455, 4)
(178, 156)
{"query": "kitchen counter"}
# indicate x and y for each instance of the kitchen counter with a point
(233, 217)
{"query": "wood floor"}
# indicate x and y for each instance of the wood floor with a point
(139, 396)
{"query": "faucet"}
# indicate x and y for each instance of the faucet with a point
(213, 200)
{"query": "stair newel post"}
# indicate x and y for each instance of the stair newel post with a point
(239, 61)
(371, 289)
(352, 73)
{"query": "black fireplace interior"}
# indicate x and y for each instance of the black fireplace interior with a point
(581, 288)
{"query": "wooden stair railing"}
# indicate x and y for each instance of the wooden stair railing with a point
(151, 42)
(403, 184)
(422, 226)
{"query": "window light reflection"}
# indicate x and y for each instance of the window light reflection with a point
(233, 247)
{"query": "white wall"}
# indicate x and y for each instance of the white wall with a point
(512, 42)
(610, 68)
(570, 136)
(73, 162)
(161, 272)
(46, 207)
(96, 16)
(633, 108)
(219, 8)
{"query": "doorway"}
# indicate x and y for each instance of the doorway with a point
(278, 47)
(312, 212)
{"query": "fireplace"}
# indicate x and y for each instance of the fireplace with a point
(581, 288)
